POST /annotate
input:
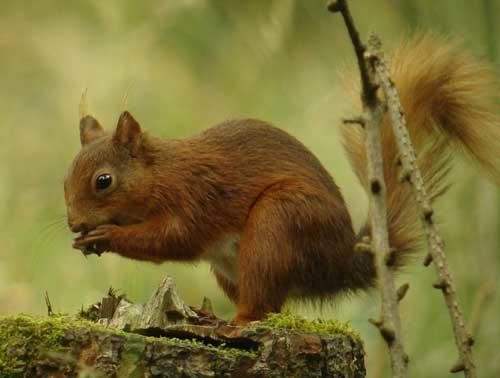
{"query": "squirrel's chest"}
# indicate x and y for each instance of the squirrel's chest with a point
(223, 257)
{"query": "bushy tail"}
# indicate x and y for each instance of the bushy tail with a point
(448, 100)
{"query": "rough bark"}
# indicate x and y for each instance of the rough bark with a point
(166, 338)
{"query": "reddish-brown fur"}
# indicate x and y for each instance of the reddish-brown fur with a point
(255, 191)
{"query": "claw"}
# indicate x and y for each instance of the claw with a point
(86, 251)
(93, 242)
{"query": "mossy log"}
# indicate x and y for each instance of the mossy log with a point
(196, 344)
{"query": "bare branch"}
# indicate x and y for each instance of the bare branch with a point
(369, 94)
(435, 242)
(374, 110)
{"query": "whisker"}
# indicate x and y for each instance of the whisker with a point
(47, 236)
(54, 224)
(55, 221)
(49, 231)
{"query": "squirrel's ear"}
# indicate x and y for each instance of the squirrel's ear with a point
(128, 131)
(90, 129)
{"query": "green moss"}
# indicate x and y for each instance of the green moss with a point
(26, 335)
(23, 337)
(222, 348)
(131, 361)
(286, 320)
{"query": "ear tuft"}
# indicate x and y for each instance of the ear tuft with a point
(83, 108)
(128, 131)
(90, 130)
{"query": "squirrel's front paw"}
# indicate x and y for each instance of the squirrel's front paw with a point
(97, 241)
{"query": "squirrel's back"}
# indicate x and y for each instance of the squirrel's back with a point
(250, 154)
(258, 148)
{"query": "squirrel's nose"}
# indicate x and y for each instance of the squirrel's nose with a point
(78, 226)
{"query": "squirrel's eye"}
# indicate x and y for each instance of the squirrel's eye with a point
(103, 181)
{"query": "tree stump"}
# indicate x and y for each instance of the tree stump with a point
(166, 338)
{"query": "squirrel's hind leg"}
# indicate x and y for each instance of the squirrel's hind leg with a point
(266, 255)
(230, 288)
(298, 238)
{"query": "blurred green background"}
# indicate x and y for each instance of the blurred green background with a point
(189, 64)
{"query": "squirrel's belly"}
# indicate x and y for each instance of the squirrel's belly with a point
(223, 257)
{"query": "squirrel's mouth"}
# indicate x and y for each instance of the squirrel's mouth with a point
(87, 249)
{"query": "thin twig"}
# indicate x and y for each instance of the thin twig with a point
(50, 312)
(434, 239)
(374, 110)
(369, 93)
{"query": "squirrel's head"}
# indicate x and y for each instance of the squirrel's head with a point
(108, 181)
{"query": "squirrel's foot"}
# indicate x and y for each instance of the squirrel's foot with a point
(244, 319)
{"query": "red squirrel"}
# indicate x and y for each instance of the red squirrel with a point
(256, 204)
